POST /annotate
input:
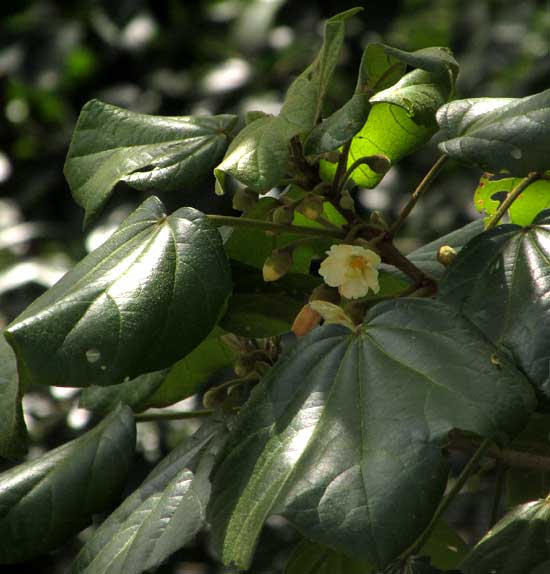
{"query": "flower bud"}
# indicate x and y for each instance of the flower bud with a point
(305, 321)
(331, 156)
(378, 163)
(446, 255)
(283, 215)
(346, 201)
(311, 207)
(277, 265)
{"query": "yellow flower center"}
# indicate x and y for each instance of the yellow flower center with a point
(357, 262)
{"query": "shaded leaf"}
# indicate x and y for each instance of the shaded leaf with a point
(518, 544)
(500, 282)
(46, 500)
(111, 144)
(161, 516)
(13, 433)
(189, 374)
(532, 201)
(144, 299)
(311, 558)
(346, 428)
(133, 393)
(498, 134)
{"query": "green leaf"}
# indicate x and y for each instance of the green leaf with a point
(534, 199)
(305, 97)
(133, 393)
(500, 282)
(444, 547)
(311, 558)
(13, 433)
(508, 135)
(258, 156)
(346, 428)
(518, 544)
(161, 516)
(524, 485)
(141, 301)
(47, 500)
(111, 144)
(187, 376)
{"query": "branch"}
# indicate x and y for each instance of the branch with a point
(511, 197)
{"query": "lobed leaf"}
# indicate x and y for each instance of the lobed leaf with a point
(13, 432)
(509, 135)
(141, 301)
(46, 500)
(348, 427)
(161, 516)
(518, 544)
(111, 144)
(500, 282)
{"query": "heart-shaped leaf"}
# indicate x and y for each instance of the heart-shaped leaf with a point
(534, 199)
(161, 516)
(111, 144)
(47, 500)
(348, 427)
(500, 282)
(508, 135)
(141, 301)
(518, 544)
(13, 433)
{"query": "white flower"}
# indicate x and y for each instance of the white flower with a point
(351, 268)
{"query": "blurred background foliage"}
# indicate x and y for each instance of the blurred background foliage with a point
(205, 57)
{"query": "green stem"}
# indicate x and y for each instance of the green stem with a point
(173, 416)
(274, 227)
(511, 197)
(357, 163)
(417, 194)
(341, 168)
(444, 504)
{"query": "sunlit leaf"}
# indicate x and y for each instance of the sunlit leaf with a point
(532, 200)
(348, 427)
(13, 433)
(161, 516)
(162, 153)
(508, 135)
(47, 500)
(500, 281)
(141, 301)
(518, 544)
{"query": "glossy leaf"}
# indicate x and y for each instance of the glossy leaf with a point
(141, 301)
(508, 135)
(189, 374)
(133, 393)
(258, 156)
(346, 428)
(161, 516)
(47, 500)
(13, 433)
(111, 144)
(500, 282)
(311, 558)
(532, 201)
(518, 544)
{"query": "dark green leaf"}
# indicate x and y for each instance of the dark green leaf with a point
(13, 433)
(47, 500)
(161, 516)
(444, 547)
(508, 135)
(187, 376)
(111, 144)
(532, 201)
(141, 301)
(133, 393)
(311, 558)
(348, 427)
(518, 544)
(500, 281)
